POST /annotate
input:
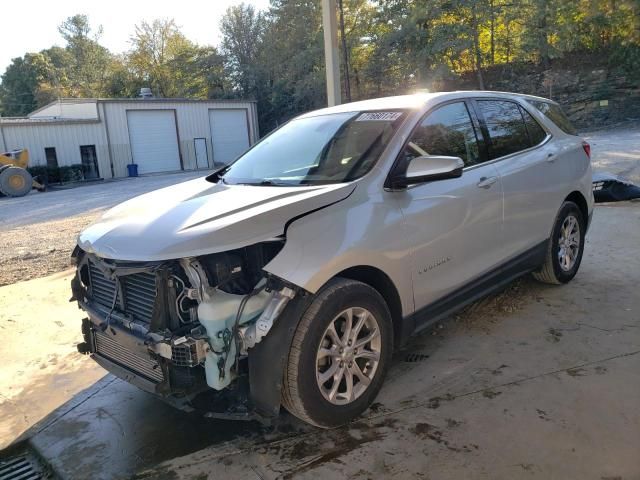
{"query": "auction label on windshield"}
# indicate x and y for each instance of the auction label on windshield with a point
(379, 117)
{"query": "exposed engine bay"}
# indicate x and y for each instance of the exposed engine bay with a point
(181, 327)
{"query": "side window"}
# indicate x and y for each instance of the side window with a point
(553, 112)
(507, 132)
(536, 132)
(445, 131)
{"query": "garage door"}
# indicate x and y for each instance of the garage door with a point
(154, 141)
(229, 134)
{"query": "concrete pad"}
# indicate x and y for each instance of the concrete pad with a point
(40, 367)
(536, 382)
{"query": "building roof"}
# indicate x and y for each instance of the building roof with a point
(79, 110)
(44, 120)
(146, 100)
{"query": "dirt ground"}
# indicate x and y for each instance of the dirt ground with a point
(38, 232)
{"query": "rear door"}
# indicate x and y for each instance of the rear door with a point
(521, 150)
(453, 226)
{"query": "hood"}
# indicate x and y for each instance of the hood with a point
(198, 218)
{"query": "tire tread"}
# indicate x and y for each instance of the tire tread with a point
(291, 397)
(547, 273)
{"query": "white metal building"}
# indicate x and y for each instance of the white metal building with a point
(159, 135)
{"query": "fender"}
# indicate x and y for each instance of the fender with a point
(267, 360)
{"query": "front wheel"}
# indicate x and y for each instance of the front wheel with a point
(15, 182)
(566, 245)
(339, 355)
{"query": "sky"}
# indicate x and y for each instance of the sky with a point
(30, 26)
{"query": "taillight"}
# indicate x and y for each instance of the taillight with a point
(587, 149)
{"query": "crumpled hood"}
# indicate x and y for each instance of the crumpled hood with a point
(198, 217)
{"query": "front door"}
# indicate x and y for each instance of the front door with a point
(89, 161)
(454, 226)
(200, 146)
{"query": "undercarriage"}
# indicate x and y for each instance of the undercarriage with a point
(186, 329)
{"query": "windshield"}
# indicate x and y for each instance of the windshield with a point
(317, 150)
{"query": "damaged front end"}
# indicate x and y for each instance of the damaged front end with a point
(187, 329)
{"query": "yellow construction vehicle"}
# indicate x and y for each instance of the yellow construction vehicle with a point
(15, 180)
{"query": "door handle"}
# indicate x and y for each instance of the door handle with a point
(486, 182)
(551, 157)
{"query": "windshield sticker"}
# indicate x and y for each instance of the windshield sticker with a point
(379, 117)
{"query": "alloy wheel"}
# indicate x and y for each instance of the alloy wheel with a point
(348, 355)
(569, 243)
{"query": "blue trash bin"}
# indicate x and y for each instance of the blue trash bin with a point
(133, 169)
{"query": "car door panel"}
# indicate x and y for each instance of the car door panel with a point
(531, 198)
(530, 170)
(453, 226)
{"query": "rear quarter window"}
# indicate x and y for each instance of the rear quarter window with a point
(554, 113)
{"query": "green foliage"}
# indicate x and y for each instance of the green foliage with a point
(276, 56)
(71, 173)
(165, 60)
(58, 175)
(40, 172)
(87, 63)
(22, 84)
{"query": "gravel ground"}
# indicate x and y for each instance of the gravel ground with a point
(38, 232)
(617, 151)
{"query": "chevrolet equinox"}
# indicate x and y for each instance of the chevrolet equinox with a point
(289, 276)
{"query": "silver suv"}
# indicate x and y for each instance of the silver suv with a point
(289, 276)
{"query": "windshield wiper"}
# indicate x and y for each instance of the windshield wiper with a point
(266, 183)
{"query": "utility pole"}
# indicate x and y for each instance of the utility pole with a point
(330, 26)
(345, 53)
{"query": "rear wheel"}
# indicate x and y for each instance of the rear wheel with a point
(339, 355)
(566, 246)
(15, 182)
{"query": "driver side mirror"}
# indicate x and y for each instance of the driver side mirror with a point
(427, 168)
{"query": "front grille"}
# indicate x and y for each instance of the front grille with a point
(102, 288)
(107, 347)
(138, 290)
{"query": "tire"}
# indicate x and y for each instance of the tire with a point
(303, 395)
(15, 182)
(555, 270)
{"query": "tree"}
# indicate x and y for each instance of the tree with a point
(165, 60)
(294, 59)
(21, 90)
(243, 30)
(89, 62)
